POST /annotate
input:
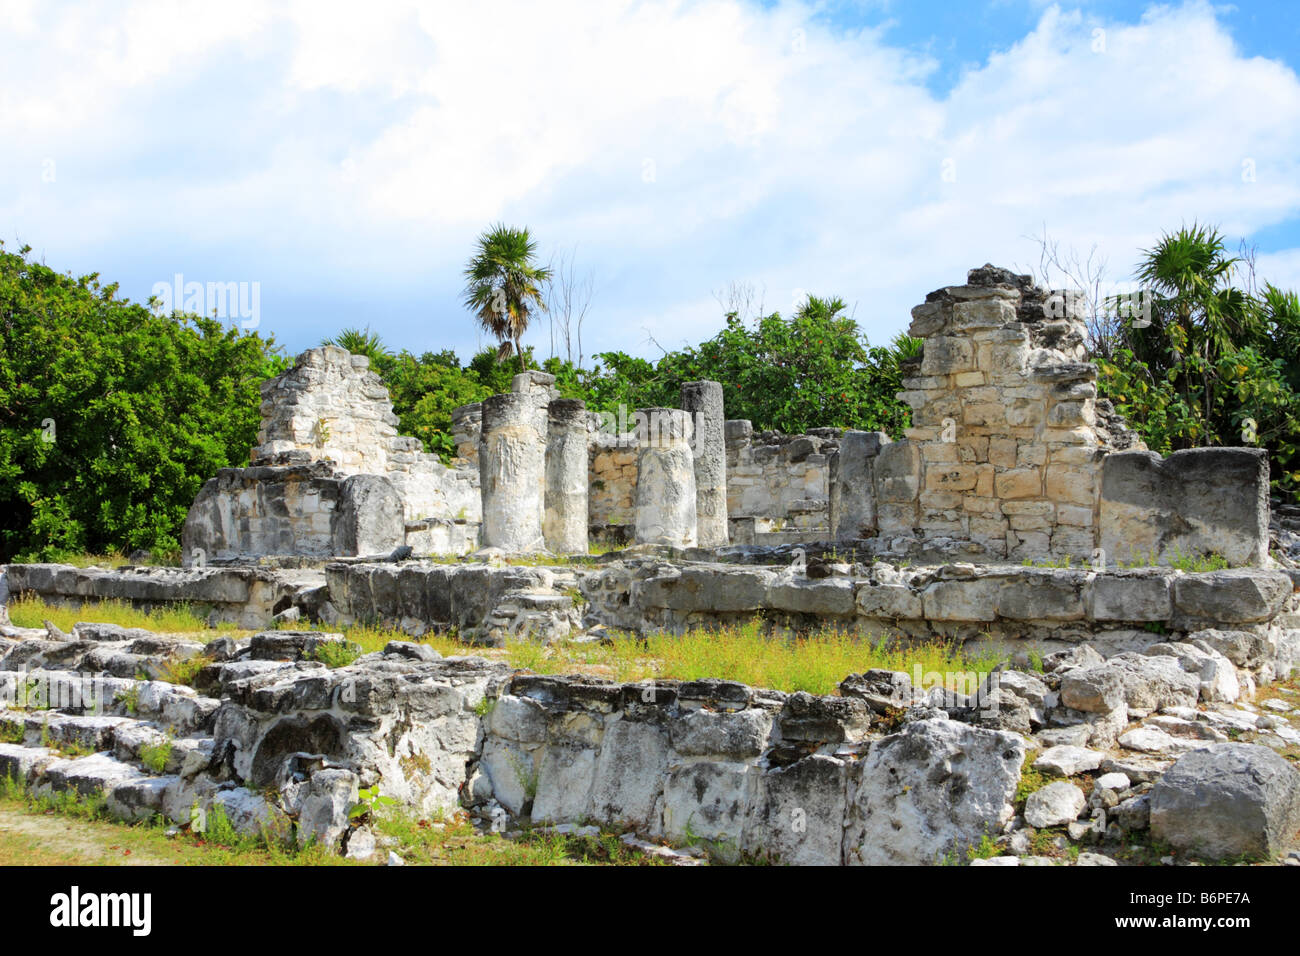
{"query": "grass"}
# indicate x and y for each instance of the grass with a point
(747, 653)
(454, 842)
(336, 653)
(27, 610)
(109, 559)
(1030, 779)
(68, 829)
(815, 663)
(155, 756)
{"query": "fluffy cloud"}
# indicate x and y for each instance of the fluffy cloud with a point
(346, 159)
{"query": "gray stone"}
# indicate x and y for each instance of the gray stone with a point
(1227, 801)
(564, 523)
(665, 484)
(1143, 684)
(1235, 596)
(1196, 501)
(369, 519)
(512, 472)
(1067, 761)
(931, 790)
(703, 400)
(327, 801)
(1054, 805)
(852, 485)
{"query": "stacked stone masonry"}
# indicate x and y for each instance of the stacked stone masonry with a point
(331, 476)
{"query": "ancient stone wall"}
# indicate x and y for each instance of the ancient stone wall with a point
(1011, 457)
(331, 476)
(330, 405)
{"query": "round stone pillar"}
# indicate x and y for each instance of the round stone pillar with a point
(703, 400)
(665, 478)
(564, 523)
(512, 471)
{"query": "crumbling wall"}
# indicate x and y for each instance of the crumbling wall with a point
(1011, 457)
(330, 405)
(328, 439)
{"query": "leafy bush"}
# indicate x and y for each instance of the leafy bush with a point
(111, 417)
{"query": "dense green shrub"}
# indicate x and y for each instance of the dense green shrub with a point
(111, 417)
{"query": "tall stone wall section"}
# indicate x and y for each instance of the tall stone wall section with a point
(330, 405)
(1006, 452)
(326, 421)
(1011, 457)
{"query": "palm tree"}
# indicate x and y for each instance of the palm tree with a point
(1198, 314)
(502, 286)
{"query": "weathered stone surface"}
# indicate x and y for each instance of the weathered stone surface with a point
(1129, 596)
(733, 736)
(1227, 801)
(703, 400)
(1066, 761)
(512, 472)
(327, 799)
(1054, 805)
(665, 485)
(852, 485)
(933, 789)
(1196, 501)
(627, 788)
(830, 597)
(1218, 676)
(564, 522)
(1142, 684)
(1235, 596)
(798, 812)
(710, 802)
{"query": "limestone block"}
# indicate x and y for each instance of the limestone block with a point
(1235, 596)
(564, 522)
(369, 519)
(798, 812)
(972, 599)
(1019, 483)
(665, 486)
(897, 473)
(1049, 595)
(704, 401)
(852, 485)
(1196, 501)
(512, 471)
(1128, 596)
(888, 600)
(933, 789)
(944, 355)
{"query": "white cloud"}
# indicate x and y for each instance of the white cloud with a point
(360, 152)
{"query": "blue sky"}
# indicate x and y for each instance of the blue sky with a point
(343, 160)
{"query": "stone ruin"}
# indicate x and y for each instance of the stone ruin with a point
(1018, 513)
(1010, 457)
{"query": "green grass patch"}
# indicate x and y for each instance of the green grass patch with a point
(30, 611)
(815, 663)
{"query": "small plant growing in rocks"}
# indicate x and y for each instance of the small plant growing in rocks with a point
(155, 756)
(337, 653)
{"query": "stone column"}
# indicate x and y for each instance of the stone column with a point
(512, 471)
(665, 478)
(565, 521)
(852, 485)
(704, 401)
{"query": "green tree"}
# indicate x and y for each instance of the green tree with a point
(111, 417)
(814, 369)
(503, 285)
(1213, 363)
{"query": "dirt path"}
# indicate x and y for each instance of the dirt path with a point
(46, 839)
